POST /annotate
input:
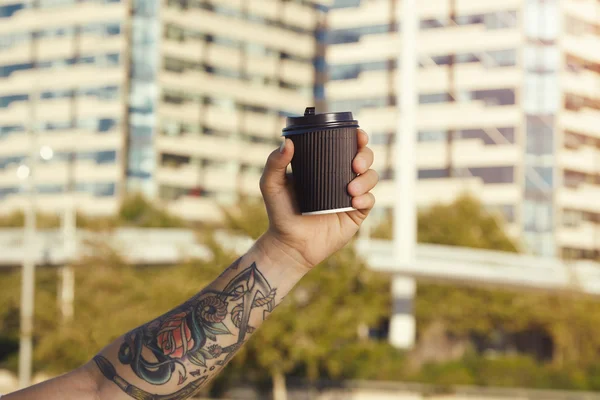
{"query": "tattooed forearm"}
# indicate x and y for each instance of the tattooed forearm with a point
(185, 347)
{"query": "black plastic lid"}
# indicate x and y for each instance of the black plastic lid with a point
(312, 121)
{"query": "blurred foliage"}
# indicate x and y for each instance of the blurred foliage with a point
(314, 333)
(465, 222)
(138, 211)
(135, 211)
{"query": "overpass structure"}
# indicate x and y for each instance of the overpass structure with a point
(457, 265)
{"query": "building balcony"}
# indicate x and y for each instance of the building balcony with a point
(300, 15)
(19, 54)
(467, 153)
(299, 73)
(585, 121)
(444, 116)
(262, 66)
(64, 141)
(448, 40)
(55, 204)
(583, 197)
(582, 46)
(190, 50)
(584, 236)
(434, 79)
(221, 56)
(584, 10)
(196, 209)
(80, 14)
(586, 159)
(56, 173)
(446, 190)
(214, 148)
(184, 176)
(220, 25)
(76, 76)
(440, 8)
(584, 83)
(244, 92)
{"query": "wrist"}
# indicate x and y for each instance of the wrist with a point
(279, 252)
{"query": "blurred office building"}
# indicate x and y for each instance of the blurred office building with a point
(509, 107)
(179, 99)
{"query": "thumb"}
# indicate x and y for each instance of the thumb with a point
(274, 178)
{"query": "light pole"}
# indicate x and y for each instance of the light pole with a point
(66, 283)
(402, 323)
(67, 275)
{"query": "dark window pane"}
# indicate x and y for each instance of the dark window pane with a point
(432, 136)
(496, 97)
(540, 135)
(432, 98)
(494, 174)
(432, 173)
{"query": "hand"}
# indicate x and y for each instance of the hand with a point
(311, 239)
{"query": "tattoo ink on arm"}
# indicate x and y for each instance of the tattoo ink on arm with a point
(186, 345)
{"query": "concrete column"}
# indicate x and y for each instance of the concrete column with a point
(402, 332)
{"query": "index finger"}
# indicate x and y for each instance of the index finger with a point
(363, 139)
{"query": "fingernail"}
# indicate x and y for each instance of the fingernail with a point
(282, 147)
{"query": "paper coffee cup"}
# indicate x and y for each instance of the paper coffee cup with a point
(324, 147)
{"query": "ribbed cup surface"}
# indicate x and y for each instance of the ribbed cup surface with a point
(322, 168)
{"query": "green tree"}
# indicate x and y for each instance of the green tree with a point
(136, 210)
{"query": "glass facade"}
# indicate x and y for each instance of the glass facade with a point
(540, 103)
(143, 95)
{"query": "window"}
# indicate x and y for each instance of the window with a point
(345, 3)
(49, 189)
(543, 174)
(494, 174)
(6, 191)
(113, 29)
(541, 93)
(106, 124)
(12, 161)
(507, 135)
(495, 97)
(431, 23)
(7, 130)
(506, 210)
(382, 138)
(353, 35)
(56, 125)
(357, 105)
(7, 70)
(537, 215)
(541, 59)
(433, 98)
(500, 58)
(13, 39)
(106, 157)
(469, 19)
(501, 20)
(7, 100)
(9, 10)
(433, 136)
(342, 72)
(540, 135)
(573, 179)
(432, 173)
(104, 189)
(57, 94)
(572, 218)
(542, 20)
